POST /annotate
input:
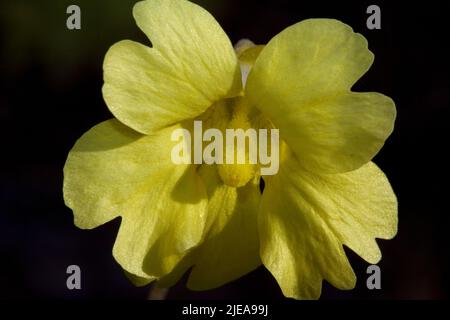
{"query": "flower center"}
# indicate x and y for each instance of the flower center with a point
(241, 147)
(244, 156)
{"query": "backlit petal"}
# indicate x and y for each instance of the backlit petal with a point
(190, 66)
(306, 218)
(114, 171)
(301, 81)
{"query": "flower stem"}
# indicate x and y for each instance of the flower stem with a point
(157, 293)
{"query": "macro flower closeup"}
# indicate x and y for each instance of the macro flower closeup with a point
(221, 221)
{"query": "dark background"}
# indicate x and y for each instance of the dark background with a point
(50, 94)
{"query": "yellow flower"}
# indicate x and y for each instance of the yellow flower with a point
(326, 194)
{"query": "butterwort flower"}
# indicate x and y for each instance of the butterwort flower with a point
(217, 219)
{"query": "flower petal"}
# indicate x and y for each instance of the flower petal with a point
(192, 64)
(231, 247)
(306, 218)
(113, 171)
(302, 81)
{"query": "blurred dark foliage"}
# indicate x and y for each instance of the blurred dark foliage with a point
(50, 94)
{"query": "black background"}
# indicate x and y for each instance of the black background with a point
(50, 94)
